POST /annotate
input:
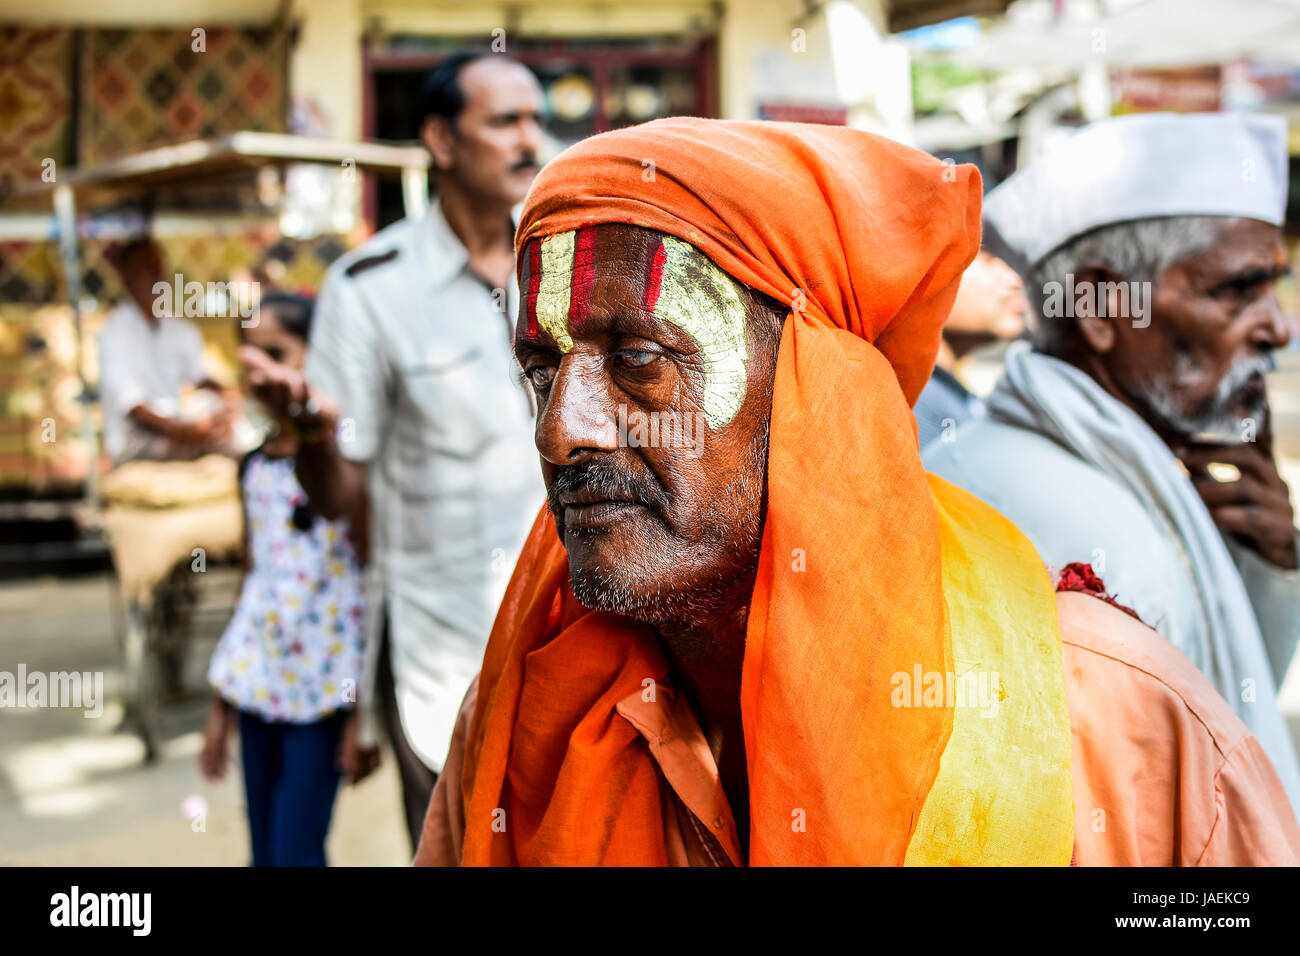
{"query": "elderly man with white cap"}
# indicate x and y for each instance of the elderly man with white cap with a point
(1135, 429)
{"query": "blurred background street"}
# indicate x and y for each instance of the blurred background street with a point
(75, 790)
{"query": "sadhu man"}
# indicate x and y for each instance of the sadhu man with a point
(736, 639)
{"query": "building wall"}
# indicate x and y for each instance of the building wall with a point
(769, 51)
(325, 79)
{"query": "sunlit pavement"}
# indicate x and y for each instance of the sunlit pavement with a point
(75, 791)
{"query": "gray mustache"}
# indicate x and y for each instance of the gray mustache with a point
(603, 480)
(1244, 370)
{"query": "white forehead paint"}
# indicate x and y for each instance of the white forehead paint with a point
(554, 289)
(701, 300)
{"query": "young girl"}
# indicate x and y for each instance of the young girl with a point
(288, 665)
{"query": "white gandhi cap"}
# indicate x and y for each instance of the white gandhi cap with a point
(1139, 167)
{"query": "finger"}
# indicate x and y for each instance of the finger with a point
(1272, 537)
(257, 365)
(1247, 458)
(1236, 519)
(1246, 490)
(261, 369)
(1201, 456)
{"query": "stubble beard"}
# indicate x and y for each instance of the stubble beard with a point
(644, 588)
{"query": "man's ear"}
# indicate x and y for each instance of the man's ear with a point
(1092, 317)
(438, 138)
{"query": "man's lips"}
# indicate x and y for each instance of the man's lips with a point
(586, 510)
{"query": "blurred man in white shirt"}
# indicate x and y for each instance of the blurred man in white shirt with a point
(415, 398)
(148, 361)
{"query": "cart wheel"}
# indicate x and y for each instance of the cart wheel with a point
(143, 679)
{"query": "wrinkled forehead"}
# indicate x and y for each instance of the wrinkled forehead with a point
(573, 279)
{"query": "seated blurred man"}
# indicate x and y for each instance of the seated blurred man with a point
(990, 305)
(146, 360)
(1152, 249)
(750, 628)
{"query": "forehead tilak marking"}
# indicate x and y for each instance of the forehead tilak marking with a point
(584, 276)
(554, 286)
(654, 277)
(562, 274)
(534, 252)
(699, 298)
(682, 286)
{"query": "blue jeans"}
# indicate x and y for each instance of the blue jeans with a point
(290, 778)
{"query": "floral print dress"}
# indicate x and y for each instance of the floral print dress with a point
(293, 650)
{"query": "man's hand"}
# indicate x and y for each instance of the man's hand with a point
(355, 761)
(208, 432)
(1256, 508)
(203, 433)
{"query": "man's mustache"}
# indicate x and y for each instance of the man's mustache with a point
(1245, 371)
(527, 161)
(606, 480)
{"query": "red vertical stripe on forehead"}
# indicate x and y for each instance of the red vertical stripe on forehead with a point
(584, 275)
(654, 279)
(534, 285)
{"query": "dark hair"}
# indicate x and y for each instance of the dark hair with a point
(122, 256)
(293, 311)
(440, 92)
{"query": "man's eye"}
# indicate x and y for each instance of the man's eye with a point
(540, 375)
(634, 358)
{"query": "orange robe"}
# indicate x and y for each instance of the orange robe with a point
(1164, 773)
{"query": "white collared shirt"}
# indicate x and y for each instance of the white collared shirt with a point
(415, 349)
(141, 363)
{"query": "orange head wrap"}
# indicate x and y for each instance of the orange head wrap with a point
(866, 240)
(857, 231)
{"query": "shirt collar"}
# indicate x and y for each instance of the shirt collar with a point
(679, 747)
(443, 254)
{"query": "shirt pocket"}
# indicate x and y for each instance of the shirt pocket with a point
(444, 424)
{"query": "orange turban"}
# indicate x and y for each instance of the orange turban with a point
(869, 568)
(874, 234)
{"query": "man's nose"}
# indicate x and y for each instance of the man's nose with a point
(530, 135)
(578, 417)
(1273, 328)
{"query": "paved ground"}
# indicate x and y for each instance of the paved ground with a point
(74, 790)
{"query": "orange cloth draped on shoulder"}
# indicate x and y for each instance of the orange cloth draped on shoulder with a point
(869, 569)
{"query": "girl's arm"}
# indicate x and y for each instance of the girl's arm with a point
(359, 528)
(246, 558)
(214, 757)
